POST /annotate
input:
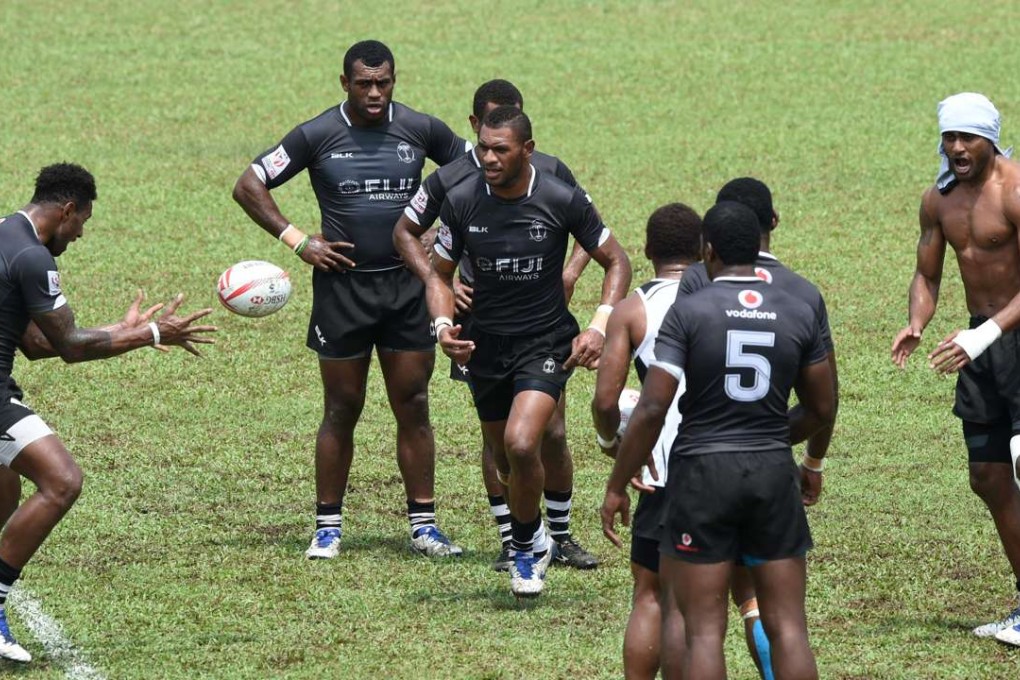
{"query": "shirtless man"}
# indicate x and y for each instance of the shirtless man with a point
(975, 208)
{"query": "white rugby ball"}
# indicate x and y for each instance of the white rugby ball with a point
(253, 288)
(628, 400)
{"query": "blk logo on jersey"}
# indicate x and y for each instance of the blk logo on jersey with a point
(750, 299)
(537, 231)
(349, 154)
(405, 152)
(763, 274)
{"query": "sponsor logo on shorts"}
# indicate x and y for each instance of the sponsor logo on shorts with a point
(463, 369)
(763, 274)
(405, 152)
(685, 544)
(53, 278)
(318, 334)
(420, 200)
(276, 162)
(549, 366)
(537, 231)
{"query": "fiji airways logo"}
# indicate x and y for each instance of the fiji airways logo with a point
(537, 231)
(750, 300)
(763, 274)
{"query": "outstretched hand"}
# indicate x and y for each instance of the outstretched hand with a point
(948, 357)
(904, 344)
(455, 348)
(327, 255)
(614, 503)
(134, 316)
(586, 350)
(180, 330)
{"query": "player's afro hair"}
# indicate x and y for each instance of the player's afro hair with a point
(732, 229)
(501, 92)
(755, 195)
(509, 116)
(673, 233)
(63, 182)
(371, 53)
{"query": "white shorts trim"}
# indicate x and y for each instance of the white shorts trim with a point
(22, 433)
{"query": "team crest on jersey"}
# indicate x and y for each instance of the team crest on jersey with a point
(405, 152)
(53, 278)
(549, 366)
(537, 231)
(763, 274)
(750, 299)
(445, 236)
(276, 162)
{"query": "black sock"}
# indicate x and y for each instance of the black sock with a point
(8, 575)
(524, 534)
(557, 509)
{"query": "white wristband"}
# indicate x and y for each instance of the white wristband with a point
(286, 231)
(440, 322)
(155, 333)
(813, 464)
(606, 444)
(974, 341)
(600, 319)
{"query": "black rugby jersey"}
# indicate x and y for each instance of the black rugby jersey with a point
(29, 282)
(362, 176)
(424, 207)
(517, 248)
(770, 270)
(741, 344)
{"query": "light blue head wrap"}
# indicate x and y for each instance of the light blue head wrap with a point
(966, 112)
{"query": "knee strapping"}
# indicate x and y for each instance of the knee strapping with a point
(1014, 452)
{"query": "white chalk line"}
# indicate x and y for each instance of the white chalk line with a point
(51, 636)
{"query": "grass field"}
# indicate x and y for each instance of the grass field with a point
(183, 557)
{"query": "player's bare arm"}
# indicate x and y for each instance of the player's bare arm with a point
(407, 239)
(614, 366)
(816, 392)
(439, 297)
(645, 424)
(34, 344)
(254, 197)
(924, 287)
(573, 269)
(587, 346)
(74, 344)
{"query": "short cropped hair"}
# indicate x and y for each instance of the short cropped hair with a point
(500, 92)
(733, 231)
(755, 195)
(512, 117)
(63, 182)
(673, 233)
(371, 53)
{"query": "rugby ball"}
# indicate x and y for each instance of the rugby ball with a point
(253, 288)
(628, 400)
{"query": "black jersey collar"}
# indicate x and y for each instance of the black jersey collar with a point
(531, 183)
(343, 113)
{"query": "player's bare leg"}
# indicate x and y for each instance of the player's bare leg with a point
(58, 482)
(701, 592)
(673, 637)
(407, 376)
(516, 444)
(10, 493)
(344, 383)
(742, 590)
(994, 484)
(781, 586)
(643, 634)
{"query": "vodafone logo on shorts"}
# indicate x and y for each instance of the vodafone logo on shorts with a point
(750, 299)
(685, 544)
(763, 274)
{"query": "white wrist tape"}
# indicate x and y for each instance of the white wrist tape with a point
(974, 341)
(155, 333)
(600, 319)
(813, 464)
(440, 322)
(606, 444)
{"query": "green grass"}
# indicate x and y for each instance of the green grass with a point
(183, 557)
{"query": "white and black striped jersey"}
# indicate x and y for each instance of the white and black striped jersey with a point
(741, 344)
(769, 269)
(517, 248)
(362, 176)
(658, 296)
(29, 283)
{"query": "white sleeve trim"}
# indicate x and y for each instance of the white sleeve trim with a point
(443, 252)
(672, 369)
(604, 236)
(412, 215)
(259, 172)
(59, 302)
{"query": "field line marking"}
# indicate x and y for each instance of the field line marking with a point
(51, 636)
